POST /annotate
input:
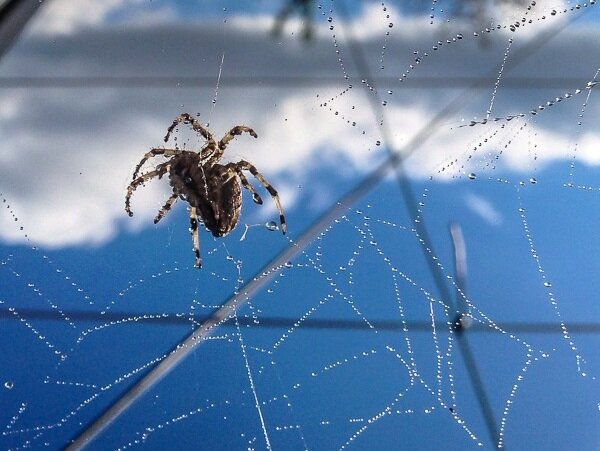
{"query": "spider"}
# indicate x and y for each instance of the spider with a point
(212, 190)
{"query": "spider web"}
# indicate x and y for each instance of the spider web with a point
(363, 326)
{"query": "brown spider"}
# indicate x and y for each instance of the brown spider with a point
(212, 189)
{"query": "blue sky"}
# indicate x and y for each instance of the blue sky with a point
(348, 345)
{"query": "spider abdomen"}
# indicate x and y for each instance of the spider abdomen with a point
(212, 190)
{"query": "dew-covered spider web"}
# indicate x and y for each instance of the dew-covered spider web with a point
(437, 163)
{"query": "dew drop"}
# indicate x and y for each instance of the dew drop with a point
(8, 385)
(271, 226)
(472, 176)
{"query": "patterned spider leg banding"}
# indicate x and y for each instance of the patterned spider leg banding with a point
(233, 171)
(195, 238)
(235, 131)
(152, 153)
(166, 207)
(158, 172)
(211, 146)
(243, 164)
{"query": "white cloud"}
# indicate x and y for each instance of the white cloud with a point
(61, 17)
(68, 154)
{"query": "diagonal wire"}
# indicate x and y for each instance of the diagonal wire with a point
(394, 160)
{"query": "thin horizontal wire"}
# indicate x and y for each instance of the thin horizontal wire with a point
(267, 81)
(177, 319)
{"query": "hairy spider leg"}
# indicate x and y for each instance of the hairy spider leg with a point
(210, 148)
(243, 164)
(166, 207)
(152, 153)
(233, 171)
(235, 131)
(158, 172)
(195, 239)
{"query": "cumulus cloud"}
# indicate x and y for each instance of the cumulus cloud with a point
(68, 152)
(63, 18)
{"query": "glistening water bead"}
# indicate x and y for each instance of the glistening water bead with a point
(271, 226)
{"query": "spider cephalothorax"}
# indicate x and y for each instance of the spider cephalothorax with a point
(213, 190)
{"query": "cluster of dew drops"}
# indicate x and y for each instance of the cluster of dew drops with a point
(517, 24)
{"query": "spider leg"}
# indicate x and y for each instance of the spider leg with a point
(195, 239)
(158, 172)
(243, 164)
(153, 153)
(235, 131)
(233, 170)
(166, 207)
(196, 126)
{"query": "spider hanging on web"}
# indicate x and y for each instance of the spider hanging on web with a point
(213, 190)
